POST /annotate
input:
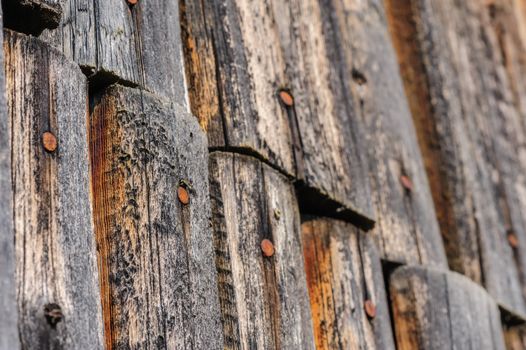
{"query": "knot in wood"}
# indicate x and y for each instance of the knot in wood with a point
(513, 240)
(49, 141)
(286, 98)
(183, 195)
(267, 247)
(406, 183)
(132, 2)
(53, 314)
(370, 308)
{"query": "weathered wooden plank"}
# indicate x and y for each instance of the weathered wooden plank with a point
(247, 54)
(515, 337)
(9, 323)
(56, 271)
(472, 137)
(136, 44)
(435, 309)
(346, 287)
(406, 229)
(262, 286)
(31, 16)
(151, 209)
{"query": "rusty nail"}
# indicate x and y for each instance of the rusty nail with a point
(267, 247)
(53, 313)
(406, 182)
(286, 98)
(370, 308)
(513, 240)
(132, 2)
(49, 141)
(183, 195)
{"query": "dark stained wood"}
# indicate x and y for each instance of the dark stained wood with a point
(155, 253)
(472, 136)
(138, 45)
(31, 16)
(56, 273)
(264, 299)
(435, 309)
(406, 230)
(344, 275)
(247, 54)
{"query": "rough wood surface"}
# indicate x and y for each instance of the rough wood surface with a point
(472, 136)
(406, 229)
(136, 44)
(9, 322)
(56, 272)
(343, 274)
(442, 310)
(31, 16)
(246, 53)
(155, 253)
(515, 337)
(264, 299)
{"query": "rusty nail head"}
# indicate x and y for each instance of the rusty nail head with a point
(132, 2)
(53, 313)
(183, 195)
(286, 98)
(406, 182)
(513, 240)
(49, 141)
(267, 247)
(370, 308)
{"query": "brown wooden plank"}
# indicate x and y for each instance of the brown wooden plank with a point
(151, 208)
(472, 137)
(344, 275)
(406, 228)
(435, 309)
(246, 53)
(264, 299)
(515, 337)
(57, 279)
(137, 44)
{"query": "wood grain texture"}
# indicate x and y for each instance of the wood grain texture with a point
(155, 254)
(472, 136)
(435, 309)
(406, 230)
(31, 16)
(54, 240)
(136, 45)
(515, 337)
(264, 300)
(245, 53)
(343, 272)
(9, 338)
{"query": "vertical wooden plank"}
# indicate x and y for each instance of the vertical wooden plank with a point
(406, 229)
(435, 309)
(263, 294)
(9, 338)
(151, 209)
(344, 275)
(472, 136)
(56, 272)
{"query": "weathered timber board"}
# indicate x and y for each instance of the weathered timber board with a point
(406, 228)
(343, 274)
(264, 299)
(472, 137)
(31, 16)
(435, 309)
(9, 322)
(54, 239)
(138, 45)
(515, 337)
(245, 53)
(156, 258)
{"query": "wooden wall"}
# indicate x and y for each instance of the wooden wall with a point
(239, 174)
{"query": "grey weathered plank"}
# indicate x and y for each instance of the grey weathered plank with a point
(343, 274)
(138, 45)
(31, 16)
(472, 136)
(264, 299)
(8, 323)
(56, 273)
(159, 286)
(435, 309)
(246, 53)
(406, 228)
